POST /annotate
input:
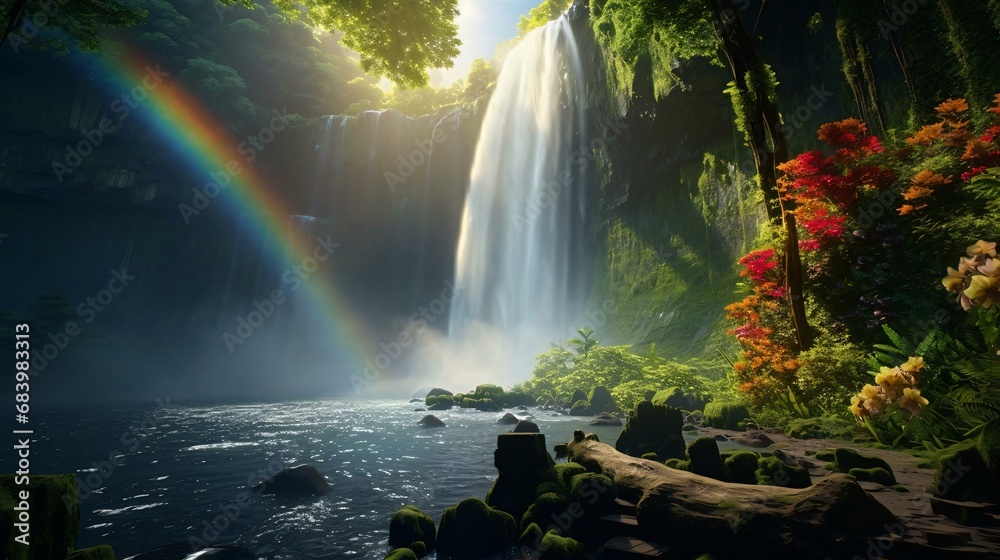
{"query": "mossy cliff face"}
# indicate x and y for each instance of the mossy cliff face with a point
(54, 516)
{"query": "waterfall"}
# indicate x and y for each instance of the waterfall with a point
(520, 265)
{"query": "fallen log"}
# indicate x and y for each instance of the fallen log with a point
(692, 514)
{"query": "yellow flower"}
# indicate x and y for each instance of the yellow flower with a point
(966, 265)
(856, 408)
(983, 290)
(953, 280)
(912, 401)
(913, 364)
(983, 248)
(869, 392)
(885, 376)
(991, 268)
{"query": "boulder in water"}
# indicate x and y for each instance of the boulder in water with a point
(606, 419)
(431, 421)
(508, 419)
(578, 395)
(437, 392)
(525, 427)
(601, 401)
(301, 479)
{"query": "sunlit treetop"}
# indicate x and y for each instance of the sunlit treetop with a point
(397, 39)
(541, 14)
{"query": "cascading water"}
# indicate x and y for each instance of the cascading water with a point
(520, 264)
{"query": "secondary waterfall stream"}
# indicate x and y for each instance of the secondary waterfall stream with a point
(519, 261)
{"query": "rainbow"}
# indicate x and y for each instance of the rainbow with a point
(181, 120)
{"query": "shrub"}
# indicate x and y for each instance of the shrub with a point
(829, 372)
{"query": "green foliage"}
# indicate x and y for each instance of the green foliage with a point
(830, 373)
(664, 31)
(585, 342)
(80, 23)
(395, 42)
(545, 12)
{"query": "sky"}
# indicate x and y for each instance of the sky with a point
(482, 25)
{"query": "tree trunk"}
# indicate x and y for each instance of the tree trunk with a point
(896, 42)
(833, 518)
(763, 121)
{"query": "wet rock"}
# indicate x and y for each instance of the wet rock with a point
(753, 439)
(437, 392)
(525, 427)
(303, 479)
(431, 421)
(508, 419)
(606, 419)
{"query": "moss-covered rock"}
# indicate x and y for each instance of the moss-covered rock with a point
(578, 396)
(55, 516)
(419, 548)
(531, 537)
(705, 459)
(595, 492)
(679, 464)
(563, 474)
(488, 391)
(401, 554)
(544, 508)
(444, 402)
(829, 455)
(409, 525)
(472, 529)
(846, 460)
(99, 552)
(877, 474)
(517, 398)
(653, 429)
(742, 467)
(554, 547)
(523, 462)
(551, 487)
(772, 471)
(963, 474)
(725, 416)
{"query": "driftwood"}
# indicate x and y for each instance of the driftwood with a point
(692, 514)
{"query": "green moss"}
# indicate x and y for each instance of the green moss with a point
(703, 453)
(651, 457)
(551, 487)
(99, 552)
(596, 490)
(679, 464)
(771, 471)
(900, 488)
(846, 460)
(409, 525)
(55, 515)
(563, 473)
(472, 529)
(725, 416)
(419, 548)
(828, 455)
(876, 474)
(401, 554)
(742, 467)
(544, 507)
(554, 547)
(963, 474)
(531, 537)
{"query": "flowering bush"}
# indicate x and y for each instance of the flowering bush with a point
(976, 285)
(894, 387)
(768, 365)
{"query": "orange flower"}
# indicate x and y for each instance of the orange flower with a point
(916, 192)
(930, 179)
(908, 209)
(926, 135)
(996, 105)
(976, 150)
(952, 107)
